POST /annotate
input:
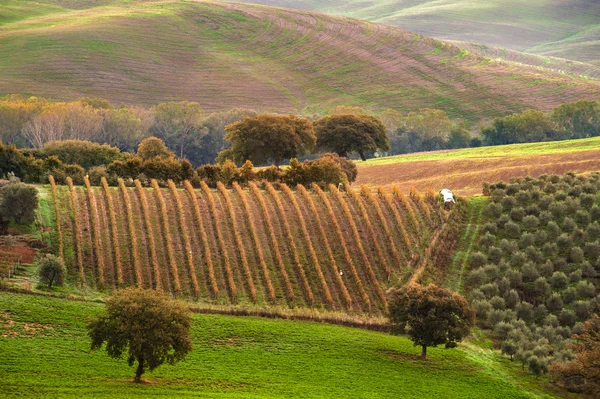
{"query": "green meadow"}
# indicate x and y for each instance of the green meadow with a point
(542, 148)
(45, 353)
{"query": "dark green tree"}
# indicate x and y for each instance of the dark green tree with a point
(430, 315)
(151, 328)
(18, 201)
(348, 133)
(51, 270)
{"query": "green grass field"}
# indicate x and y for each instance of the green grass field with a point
(45, 353)
(528, 149)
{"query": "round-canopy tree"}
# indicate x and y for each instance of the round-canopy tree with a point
(268, 138)
(430, 315)
(152, 328)
(347, 133)
(51, 270)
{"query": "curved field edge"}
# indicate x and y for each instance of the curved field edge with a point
(244, 357)
(463, 171)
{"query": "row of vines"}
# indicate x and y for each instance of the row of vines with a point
(265, 245)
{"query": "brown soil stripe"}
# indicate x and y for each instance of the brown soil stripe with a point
(207, 253)
(238, 240)
(59, 236)
(132, 234)
(148, 228)
(256, 241)
(358, 243)
(95, 231)
(113, 231)
(347, 257)
(291, 244)
(383, 261)
(222, 248)
(317, 265)
(325, 240)
(77, 234)
(164, 221)
(273, 240)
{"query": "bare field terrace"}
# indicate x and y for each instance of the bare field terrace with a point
(465, 170)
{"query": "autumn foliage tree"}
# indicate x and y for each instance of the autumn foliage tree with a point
(269, 138)
(151, 328)
(430, 315)
(583, 373)
(348, 133)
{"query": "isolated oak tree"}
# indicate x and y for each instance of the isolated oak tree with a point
(430, 315)
(347, 133)
(150, 328)
(267, 138)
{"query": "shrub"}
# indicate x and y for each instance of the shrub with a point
(518, 259)
(482, 309)
(585, 289)
(545, 217)
(586, 201)
(512, 230)
(501, 222)
(476, 277)
(490, 290)
(497, 302)
(593, 231)
(569, 295)
(576, 255)
(530, 272)
(582, 218)
(511, 299)
(526, 240)
(517, 214)
(51, 270)
(487, 240)
(18, 201)
(595, 213)
(495, 254)
(493, 210)
(524, 311)
(568, 225)
(83, 153)
(540, 238)
(559, 281)
(508, 203)
(477, 259)
(567, 318)
(515, 277)
(541, 287)
(530, 222)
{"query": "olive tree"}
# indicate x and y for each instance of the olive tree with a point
(430, 315)
(151, 328)
(51, 270)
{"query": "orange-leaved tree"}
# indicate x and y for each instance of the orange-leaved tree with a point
(269, 138)
(583, 373)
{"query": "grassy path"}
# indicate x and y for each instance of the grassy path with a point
(458, 268)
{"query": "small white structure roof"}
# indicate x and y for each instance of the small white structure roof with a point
(447, 194)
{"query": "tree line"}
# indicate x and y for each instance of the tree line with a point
(202, 138)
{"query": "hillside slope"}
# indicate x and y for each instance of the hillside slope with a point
(243, 357)
(327, 250)
(235, 55)
(567, 29)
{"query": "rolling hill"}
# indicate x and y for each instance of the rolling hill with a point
(244, 357)
(567, 29)
(225, 55)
